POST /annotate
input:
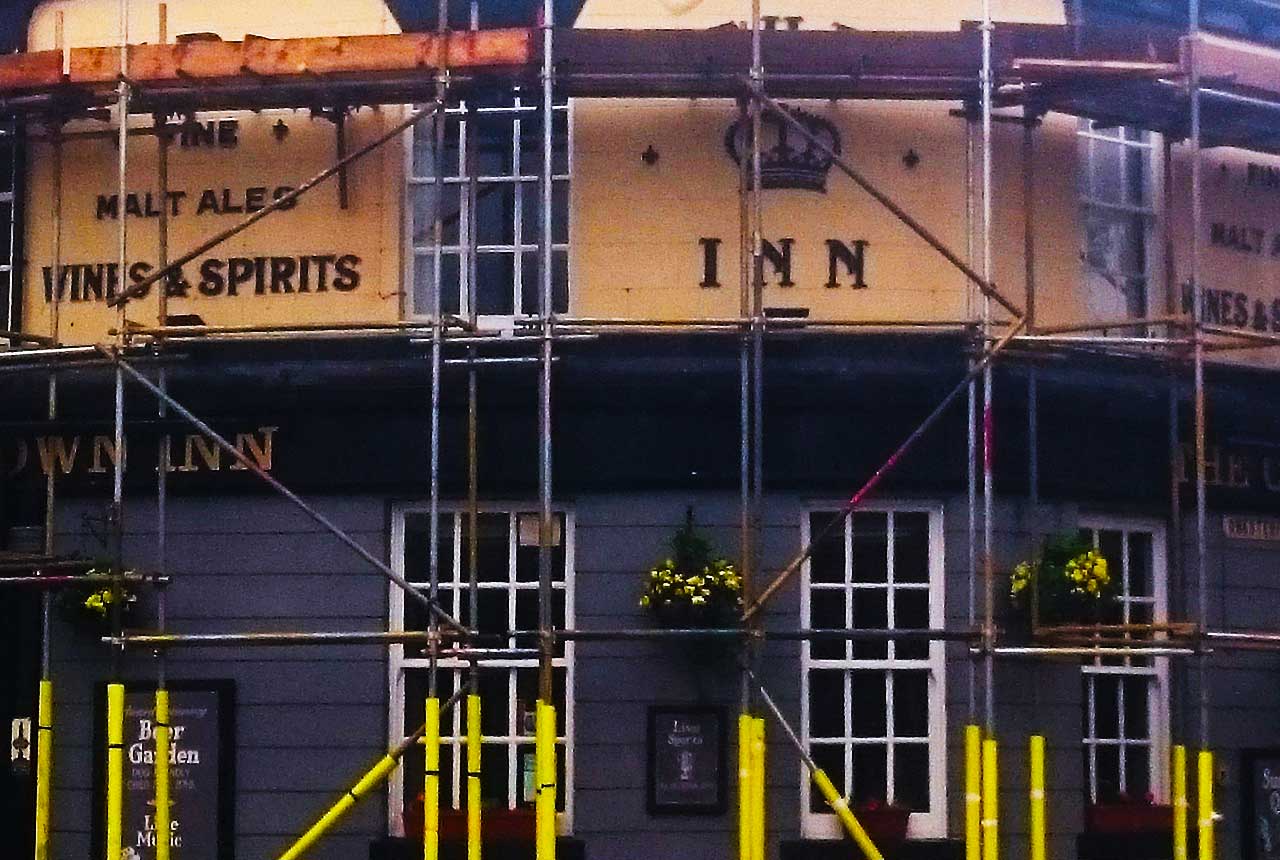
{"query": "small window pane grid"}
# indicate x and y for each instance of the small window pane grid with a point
(506, 134)
(1125, 715)
(872, 712)
(507, 566)
(1118, 214)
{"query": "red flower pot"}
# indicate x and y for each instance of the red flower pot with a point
(1128, 818)
(886, 825)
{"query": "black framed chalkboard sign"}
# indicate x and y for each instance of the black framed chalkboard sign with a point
(201, 768)
(687, 751)
(1260, 805)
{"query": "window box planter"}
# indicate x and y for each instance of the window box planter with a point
(496, 825)
(1117, 818)
(886, 825)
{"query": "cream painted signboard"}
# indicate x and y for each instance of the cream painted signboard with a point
(656, 212)
(312, 261)
(1239, 241)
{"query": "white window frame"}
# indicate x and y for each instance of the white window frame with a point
(451, 729)
(1153, 213)
(525, 180)
(1157, 671)
(931, 824)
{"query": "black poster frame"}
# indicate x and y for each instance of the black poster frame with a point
(721, 804)
(225, 690)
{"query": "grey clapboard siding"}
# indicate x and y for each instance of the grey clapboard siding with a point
(310, 721)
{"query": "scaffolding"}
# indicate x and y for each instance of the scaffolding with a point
(984, 68)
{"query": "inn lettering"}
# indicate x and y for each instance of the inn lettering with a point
(846, 262)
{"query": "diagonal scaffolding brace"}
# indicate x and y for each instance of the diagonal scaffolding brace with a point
(280, 488)
(856, 499)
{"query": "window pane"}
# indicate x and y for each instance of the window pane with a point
(827, 562)
(1106, 703)
(911, 612)
(867, 704)
(424, 147)
(527, 693)
(870, 776)
(870, 547)
(493, 774)
(1140, 564)
(495, 699)
(826, 612)
(911, 704)
(415, 697)
(1108, 772)
(1137, 771)
(424, 280)
(424, 201)
(1136, 713)
(493, 142)
(829, 757)
(495, 282)
(492, 547)
(495, 213)
(870, 612)
(911, 547)
(826, 704)
(911, 776)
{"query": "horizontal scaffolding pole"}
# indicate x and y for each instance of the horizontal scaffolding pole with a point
(66, 581)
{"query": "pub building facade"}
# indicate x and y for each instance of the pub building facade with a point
(645, 428)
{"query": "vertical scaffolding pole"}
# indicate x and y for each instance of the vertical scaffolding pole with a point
(1197, 218)
(162, 730)
(474, 758)
(545, 755)
(744, 391)
(1036, 811)
(437, 240)
(988, 416)
(1179, 801)
(44, 711)
(972, 417)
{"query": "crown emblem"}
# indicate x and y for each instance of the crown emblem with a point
(787, 160)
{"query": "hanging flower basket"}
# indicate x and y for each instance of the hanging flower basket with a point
(90, 608)
(1068, 583)
(693, 587)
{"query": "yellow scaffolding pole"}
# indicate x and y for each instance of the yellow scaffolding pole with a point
(115, 769)
(1037, 798)
(745, 761)
(1204, 800)
(163, 811)
(44, 768)
(990, 802)
(431, 784)
(363, 786)
(758, 789)
(367, 782)
(972, 793)
(473, 777)
(545, 768)
(840, 807)
(1180, 805)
